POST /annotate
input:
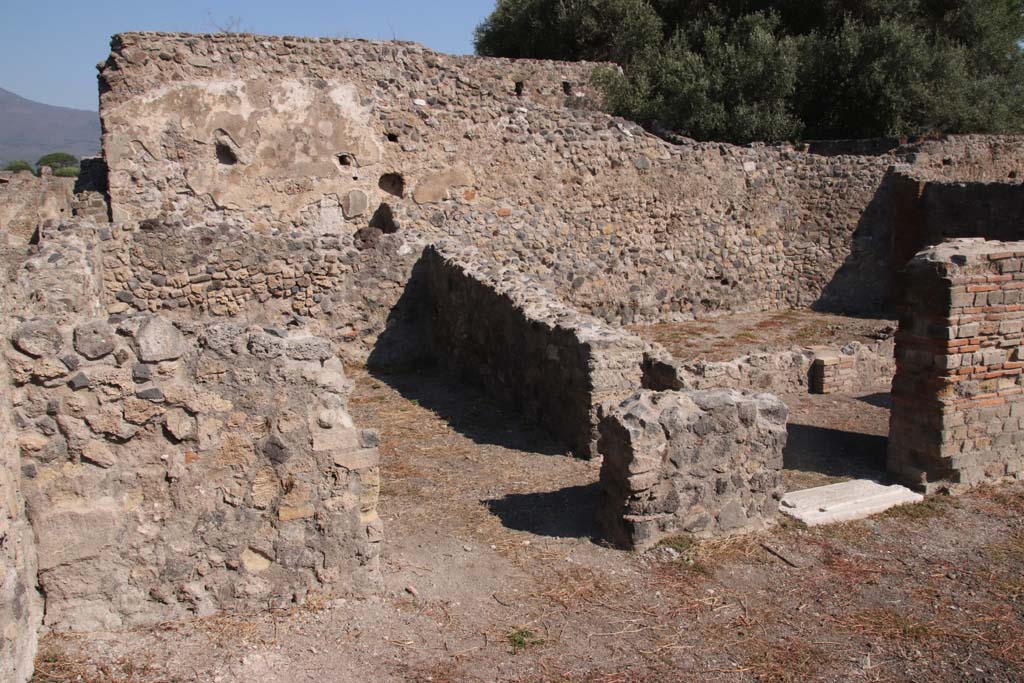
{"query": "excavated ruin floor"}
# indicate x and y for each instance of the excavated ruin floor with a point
(729, 336)
(492, 572)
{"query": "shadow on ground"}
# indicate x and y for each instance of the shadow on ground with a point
(570, 512)
(882, 399)
(470, 412)
(835, 453)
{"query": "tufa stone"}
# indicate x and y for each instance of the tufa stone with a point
(38, 338)
(157, 340)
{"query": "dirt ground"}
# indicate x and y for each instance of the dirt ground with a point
(493, 571)
(729, 336)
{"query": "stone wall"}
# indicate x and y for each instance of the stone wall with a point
(179, 469)
(702, 462)
(370, 142)
(21, 609)
(958, 396)
(497, 328)
(26, 201)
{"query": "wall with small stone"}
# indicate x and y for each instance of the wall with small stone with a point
(499, 329)
(958, 396)
(706, 463)
(180, 468)
(21, 607)
(395, 146)
(26, 201)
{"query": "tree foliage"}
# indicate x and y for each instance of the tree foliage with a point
(57, 161)
(744, 70)
(18, 166)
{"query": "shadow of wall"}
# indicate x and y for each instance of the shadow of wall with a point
(861, 285)
(406, 343)
(906, 215)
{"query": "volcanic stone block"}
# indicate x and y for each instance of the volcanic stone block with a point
(704, 463)
(94, 339)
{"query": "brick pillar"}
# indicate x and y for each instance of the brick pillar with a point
(958, 396)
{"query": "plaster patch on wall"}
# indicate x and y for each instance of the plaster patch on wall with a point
(286, 134)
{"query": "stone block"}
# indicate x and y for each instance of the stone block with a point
(38, 338)
(158, 339)
(94, 339)
(845, 501)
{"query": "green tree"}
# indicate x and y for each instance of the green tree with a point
(601, 30)
(742, 70)
(17, 166)
(57, 160)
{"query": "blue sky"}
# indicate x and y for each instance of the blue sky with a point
(51, 47)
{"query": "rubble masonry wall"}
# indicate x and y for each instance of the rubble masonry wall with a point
(176, 469)
(930, 207)
(21, 606)
(27, 200)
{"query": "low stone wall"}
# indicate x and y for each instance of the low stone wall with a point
(497, 328)
(180, 469)
(705, 463)
(798, 370)
(958, 395)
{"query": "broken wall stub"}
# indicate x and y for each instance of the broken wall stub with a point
(499, 329)
(174, 469)
(91, 192)
(706, 463)
(958, 396)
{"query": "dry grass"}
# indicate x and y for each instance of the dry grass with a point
(728, 337)
(932, 507)
(890, 624)
(1008, 552)
(60, 660)
(791, 660)
(1003, 501)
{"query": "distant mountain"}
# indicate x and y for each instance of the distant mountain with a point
(28, 129)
